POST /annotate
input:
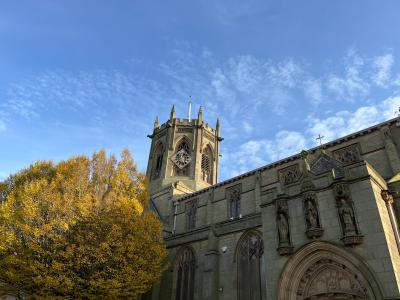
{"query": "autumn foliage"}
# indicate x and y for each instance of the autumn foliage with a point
(79, 229)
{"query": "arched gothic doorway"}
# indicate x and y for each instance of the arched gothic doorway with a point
(322, 271)
(249, 253)
(184, 271)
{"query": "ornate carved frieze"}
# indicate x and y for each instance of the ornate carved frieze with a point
(311, 216)
(290, 174)
(327, 278)
(349, 154)
(324, 163)
(345, 208)
(282, 222)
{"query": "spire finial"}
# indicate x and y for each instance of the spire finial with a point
(200, 115)
(156, 122)
(172, 113)
(217, 127)
(190, 108)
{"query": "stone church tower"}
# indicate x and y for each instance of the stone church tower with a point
(183, 159)
(321, 224)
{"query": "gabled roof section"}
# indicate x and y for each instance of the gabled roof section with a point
(324, 163)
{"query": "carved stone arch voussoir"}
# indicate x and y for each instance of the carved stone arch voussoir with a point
(321, 270)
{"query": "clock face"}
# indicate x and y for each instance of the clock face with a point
(181, 159)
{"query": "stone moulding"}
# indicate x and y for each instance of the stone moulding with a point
(314, 233)
(353, 240)
(285, 250)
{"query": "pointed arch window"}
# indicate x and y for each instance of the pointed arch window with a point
(233, 197)
(184, 271)
(207, 165)
(249, 253)
(182, 156)
(157, 165)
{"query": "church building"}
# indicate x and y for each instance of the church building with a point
(321, 224)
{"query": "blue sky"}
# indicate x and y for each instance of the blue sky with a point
(78, 76)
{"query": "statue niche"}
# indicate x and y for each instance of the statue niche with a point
(282, 221)
(344, 205)
(311, 214)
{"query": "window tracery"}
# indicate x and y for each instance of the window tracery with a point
(184, 269)
(249, 252)
(233, 197)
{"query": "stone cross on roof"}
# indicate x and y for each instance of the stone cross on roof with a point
(320, 137)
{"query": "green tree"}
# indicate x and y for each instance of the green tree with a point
(79, 229)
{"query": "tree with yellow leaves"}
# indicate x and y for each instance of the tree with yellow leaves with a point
(79, 229)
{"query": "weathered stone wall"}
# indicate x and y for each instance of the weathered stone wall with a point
(365, 176)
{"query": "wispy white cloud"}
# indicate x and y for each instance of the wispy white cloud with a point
(254, 98)
(382, 67)
(255, 153)
(345, 122)
(351, 85)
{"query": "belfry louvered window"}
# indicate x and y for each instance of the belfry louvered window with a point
(206, 166)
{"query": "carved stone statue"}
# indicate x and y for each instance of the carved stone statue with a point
(311, 215)
(347, 218)
(283, 229)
